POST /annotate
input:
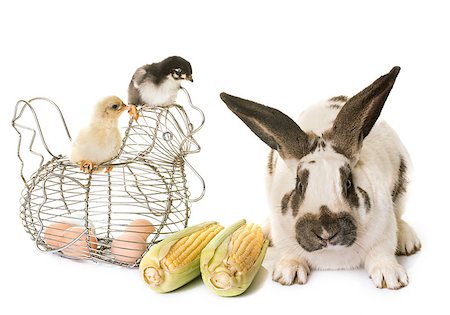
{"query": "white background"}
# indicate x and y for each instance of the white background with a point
(287, 55)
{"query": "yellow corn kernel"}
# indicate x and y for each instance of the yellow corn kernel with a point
(232, 259)
(246, 245)
(188, 248)
(175, 261)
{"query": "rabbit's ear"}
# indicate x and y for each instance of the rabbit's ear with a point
(273, 127)
(359, 114)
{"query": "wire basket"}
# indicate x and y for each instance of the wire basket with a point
(148, 181)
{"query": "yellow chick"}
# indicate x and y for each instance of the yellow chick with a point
(101, 140)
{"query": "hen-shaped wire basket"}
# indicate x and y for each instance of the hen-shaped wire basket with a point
(148, 181)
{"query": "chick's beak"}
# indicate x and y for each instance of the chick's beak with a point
(189, 77)
(124, 107)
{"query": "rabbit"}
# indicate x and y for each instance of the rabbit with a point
(336, 184)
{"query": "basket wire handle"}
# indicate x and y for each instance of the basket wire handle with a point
(18, 114)
(202, 115)
(189, 138)
(202, 181)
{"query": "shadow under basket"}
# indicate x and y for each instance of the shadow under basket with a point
(87, 216)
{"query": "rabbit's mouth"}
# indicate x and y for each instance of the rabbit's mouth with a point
(325, 230)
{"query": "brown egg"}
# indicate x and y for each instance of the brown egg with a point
(53, 234)
(128, 247)
(79, 249)
(140, 227)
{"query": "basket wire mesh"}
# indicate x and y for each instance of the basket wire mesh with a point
(148, 181)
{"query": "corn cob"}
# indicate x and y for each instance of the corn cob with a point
(175, 260)
(231, 260)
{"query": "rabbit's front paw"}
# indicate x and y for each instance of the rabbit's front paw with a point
(390, 276)
(408, 243)
(290, 271)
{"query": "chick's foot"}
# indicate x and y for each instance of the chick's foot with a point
(134, 113)
(88, 166)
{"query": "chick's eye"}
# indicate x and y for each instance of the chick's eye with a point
(115, 106)
(178, 71)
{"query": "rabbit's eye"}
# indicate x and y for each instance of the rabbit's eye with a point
(348, 184)
(299, 187)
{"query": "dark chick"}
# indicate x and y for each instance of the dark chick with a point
(157, 84)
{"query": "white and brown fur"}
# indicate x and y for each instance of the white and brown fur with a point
(318, 219)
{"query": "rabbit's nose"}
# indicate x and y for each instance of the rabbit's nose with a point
(325, 238)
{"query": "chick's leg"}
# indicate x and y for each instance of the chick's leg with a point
(108, 169)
